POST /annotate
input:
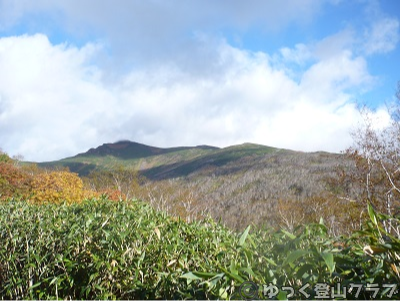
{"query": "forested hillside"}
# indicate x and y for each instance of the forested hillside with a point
(239, 185)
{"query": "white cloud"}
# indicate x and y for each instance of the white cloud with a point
(383, 36)
(55, 103)
(334, 44)
(331, 76)
(163, 75)
(153, 31)
(48, 93)
(299, 55)
(249, 100)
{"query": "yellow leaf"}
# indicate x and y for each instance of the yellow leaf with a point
(157, 231)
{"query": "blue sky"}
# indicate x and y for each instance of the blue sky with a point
(289, 74)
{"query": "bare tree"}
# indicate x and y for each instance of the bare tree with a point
(376, 153)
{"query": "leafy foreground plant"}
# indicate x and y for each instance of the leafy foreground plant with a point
(103, 249)
(125, 250)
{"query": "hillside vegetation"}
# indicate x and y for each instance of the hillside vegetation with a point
(100, 249)
(239, 185)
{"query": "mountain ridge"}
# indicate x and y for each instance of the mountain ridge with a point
(127, 149)
(237, 184)
(157, 163)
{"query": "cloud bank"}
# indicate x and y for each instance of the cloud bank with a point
(54, 102)
(58, 99)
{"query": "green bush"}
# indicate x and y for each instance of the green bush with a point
(126, 250)
(103, 249)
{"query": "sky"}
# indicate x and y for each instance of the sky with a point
(290, 74)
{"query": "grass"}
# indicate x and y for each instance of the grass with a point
(126, 250)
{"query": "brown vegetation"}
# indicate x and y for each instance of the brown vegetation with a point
(282, 189)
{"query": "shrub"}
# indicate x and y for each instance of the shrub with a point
(56, 187)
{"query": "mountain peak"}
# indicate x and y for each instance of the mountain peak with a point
(123, 149)
(126, 149)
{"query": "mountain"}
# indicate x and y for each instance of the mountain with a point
(239, 184)
(159, 163)
(126, 150)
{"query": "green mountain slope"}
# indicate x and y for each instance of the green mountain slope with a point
(159, 163)
(240, 184)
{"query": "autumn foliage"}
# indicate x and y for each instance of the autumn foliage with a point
(13, 180)
(39, 186)
(56, 186)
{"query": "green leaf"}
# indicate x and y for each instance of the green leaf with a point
(282, 295)
(302, 272)
(244, 236)
(204, 274)
(295, 255)
(372, 214)
(222, 293)
(249, 271)
(35, 285)
(54, 280)
(232, 275)
(288, 234)
(328, 258)
(270, 261)
(212, 282)
(190, 276)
